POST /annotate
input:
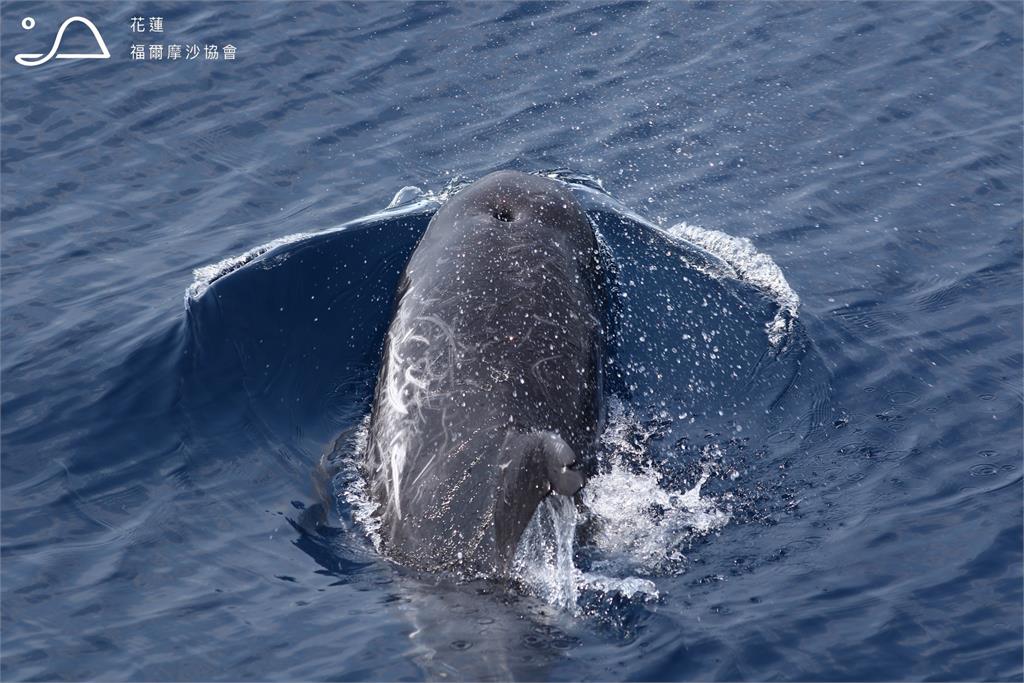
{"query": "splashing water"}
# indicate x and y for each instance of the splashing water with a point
(544, 561)
(733, 257)
(411, 195)
(544, 558)
(351, 487)
(748, 265)
(639, 523)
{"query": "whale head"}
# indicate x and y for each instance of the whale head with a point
(511, 201)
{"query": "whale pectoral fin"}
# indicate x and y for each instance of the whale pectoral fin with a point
(558, 457)
(532, 466)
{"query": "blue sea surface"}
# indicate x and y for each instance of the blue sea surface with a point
(843, 503)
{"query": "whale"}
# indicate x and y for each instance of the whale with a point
(489, 395)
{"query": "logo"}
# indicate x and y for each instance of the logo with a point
(36, 59)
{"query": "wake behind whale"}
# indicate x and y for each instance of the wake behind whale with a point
(698, 372)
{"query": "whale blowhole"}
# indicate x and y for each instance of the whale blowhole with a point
(503, 215)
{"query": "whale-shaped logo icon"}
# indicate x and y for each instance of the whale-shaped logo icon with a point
(35, 59)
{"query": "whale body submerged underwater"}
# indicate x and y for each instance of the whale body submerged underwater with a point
(489, 395)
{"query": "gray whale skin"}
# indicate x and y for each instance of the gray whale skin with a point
(488, 397)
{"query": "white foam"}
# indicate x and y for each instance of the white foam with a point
(354, 489)
(629, 587)
(204, 276)
(641, 523)
(750, 266)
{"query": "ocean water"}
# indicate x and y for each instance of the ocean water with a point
(812, 213)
